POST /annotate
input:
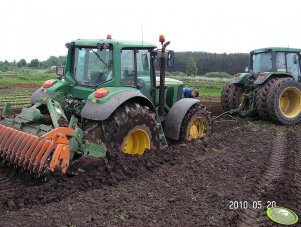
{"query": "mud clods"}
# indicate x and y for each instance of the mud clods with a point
(184, 185)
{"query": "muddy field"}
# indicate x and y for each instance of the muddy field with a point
(192, 184)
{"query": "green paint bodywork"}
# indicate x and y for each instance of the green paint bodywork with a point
(68, 84)
(262, 79)
(67, 95)
(277, 49)
(112, 92)
(241, 78)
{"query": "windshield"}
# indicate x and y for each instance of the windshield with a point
(262, 62)
(92, 66)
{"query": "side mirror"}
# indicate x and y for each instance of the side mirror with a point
(247, 69)
(60, 71)
(70, 45)
(170, 58)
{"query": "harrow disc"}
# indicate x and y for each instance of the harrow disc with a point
(49, 152)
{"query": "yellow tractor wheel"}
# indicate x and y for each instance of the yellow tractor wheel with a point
(284, 101)
(196, 128)
(197, 123)
(137, 141)
(131, 129)
(290, 102)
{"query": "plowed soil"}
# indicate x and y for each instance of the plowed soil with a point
(195, 184)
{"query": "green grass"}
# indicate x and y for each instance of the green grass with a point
(218, 75)
(210, 87)
(25, 77)
(17, 97)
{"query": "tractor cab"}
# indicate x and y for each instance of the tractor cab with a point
(118, 65)
(277, 60)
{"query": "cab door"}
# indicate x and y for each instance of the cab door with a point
(136, 70)
(293, 64)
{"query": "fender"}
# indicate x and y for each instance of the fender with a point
(264, 76)
(44, 93)
(241, 78)
(37, 95)
(176, 116)
(102, 110)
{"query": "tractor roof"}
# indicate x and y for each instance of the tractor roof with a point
(281, 49)
(116, 43)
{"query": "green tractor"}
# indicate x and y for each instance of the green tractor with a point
(270, 87)
(107, 95)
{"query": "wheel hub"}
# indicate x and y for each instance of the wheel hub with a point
(196, 129)
(290, 102)
(136, 142)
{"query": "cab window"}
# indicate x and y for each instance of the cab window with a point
(293, 66)
(92, 66)
(128, 69)
(280, 62)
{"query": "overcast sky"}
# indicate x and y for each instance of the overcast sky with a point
(40, 28)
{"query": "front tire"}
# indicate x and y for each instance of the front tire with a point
(284, 101)
(196, 124)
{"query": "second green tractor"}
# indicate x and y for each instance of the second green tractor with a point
(270, 87)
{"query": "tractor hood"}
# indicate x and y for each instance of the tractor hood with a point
(168, 81)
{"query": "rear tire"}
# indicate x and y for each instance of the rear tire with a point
(261, 99)
(232, 96)
(196, 124)
(236, 96)
(225, 96)
(131, 129)
(284, 101)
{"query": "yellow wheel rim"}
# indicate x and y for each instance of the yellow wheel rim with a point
(290, 102)
(196, 129)
(136, 142)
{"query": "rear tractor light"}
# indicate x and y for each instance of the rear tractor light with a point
(262, 74)
(101, 92)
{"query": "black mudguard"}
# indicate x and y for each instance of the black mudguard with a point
(100, 112)
(37, 95)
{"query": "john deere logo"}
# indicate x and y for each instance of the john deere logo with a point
(282, 215)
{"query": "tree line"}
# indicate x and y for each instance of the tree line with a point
(210, 62)
(199, 62)
(34, 63)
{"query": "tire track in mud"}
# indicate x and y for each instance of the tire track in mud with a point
(267, 183)
(296, 186)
